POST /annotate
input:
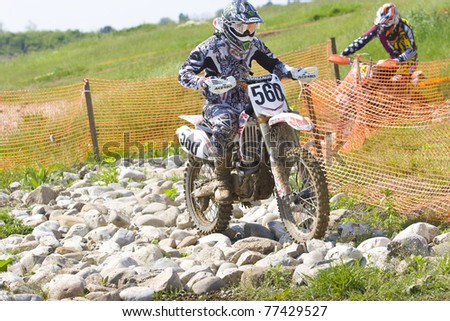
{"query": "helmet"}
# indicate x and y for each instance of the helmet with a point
(239, 23)
(387, 18)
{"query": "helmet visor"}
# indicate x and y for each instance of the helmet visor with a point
(385, 29)
(245, 28)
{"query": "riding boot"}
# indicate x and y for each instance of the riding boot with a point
(222, 166)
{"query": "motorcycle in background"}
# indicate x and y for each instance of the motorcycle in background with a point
(373, 94)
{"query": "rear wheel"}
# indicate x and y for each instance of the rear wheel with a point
(305, 212)
(206, 214)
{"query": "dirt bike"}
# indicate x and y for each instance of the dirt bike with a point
(363, 95)
(267, 159)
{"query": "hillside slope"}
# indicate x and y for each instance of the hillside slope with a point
(151, 50)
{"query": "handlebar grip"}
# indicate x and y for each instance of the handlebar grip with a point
(339, 60)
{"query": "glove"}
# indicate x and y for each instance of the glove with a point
(202, 83)
(218, 85)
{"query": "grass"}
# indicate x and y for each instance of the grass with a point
(107, 172)
(12, 225)
(155, 50)
(150, 50)
(423, 279)
(172, 193)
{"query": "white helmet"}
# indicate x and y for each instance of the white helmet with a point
(387, 18)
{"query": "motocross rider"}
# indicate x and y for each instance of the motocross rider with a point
(395, 34)
(229, 52)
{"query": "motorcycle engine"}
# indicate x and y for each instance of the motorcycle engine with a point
(253, 180)
(250, 148)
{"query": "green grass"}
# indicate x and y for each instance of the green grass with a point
(423, 279)
(155, 50)
(12, 225)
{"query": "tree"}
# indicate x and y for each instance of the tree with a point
(182, 18)
(106, 29)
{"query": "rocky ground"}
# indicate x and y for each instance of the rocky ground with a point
(130, 240)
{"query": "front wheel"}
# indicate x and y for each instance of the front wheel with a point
(305, 212)
(207, 215)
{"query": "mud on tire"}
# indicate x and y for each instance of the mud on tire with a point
(207, 215)
(305, 213)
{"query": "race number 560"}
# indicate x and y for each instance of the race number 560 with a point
(267, 92)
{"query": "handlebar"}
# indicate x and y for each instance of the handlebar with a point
(256, 79)
(342, 60)
(220, 85)
(339, 60)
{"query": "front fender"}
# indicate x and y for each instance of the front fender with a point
(296, 121)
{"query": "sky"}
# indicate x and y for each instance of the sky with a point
(91, 15)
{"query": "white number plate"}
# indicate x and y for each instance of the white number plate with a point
(268, 98)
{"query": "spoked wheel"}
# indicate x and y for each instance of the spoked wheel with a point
(207, 215)
(305, 212)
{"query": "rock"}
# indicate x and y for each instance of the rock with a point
(406, 244)
(442, 238)
(353, 229)
(154, 208)
(258, 244)
(208, 284)
(41, 195)
(167, 280)
(64, 286)
(374, 242)
(427, 231)
(257, 230)
(119, 219)
(128, 240)
(343, 252)
(249, 257)
(149, 220)
(252, 277)
(94, 219)
(137, 293)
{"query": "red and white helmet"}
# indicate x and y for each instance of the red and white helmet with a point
(387, 18)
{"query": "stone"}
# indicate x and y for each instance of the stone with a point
(208, 284)
(41, 195)
(65, 286)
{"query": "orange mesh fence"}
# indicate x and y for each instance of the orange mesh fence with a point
(384, 134)
(140, 116)
(387, 135)
(48, 126)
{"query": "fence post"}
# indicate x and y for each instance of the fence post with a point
(334, 51)
(90, 111)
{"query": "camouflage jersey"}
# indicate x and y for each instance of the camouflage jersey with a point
(400, 44)
(216, 58)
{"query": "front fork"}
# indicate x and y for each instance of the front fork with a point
(278, 169)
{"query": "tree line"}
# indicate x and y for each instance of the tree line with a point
(14, 44)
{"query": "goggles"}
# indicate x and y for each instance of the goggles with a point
(386, 30)
(245, 28)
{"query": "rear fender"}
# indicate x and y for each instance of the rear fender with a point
(193, 119)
